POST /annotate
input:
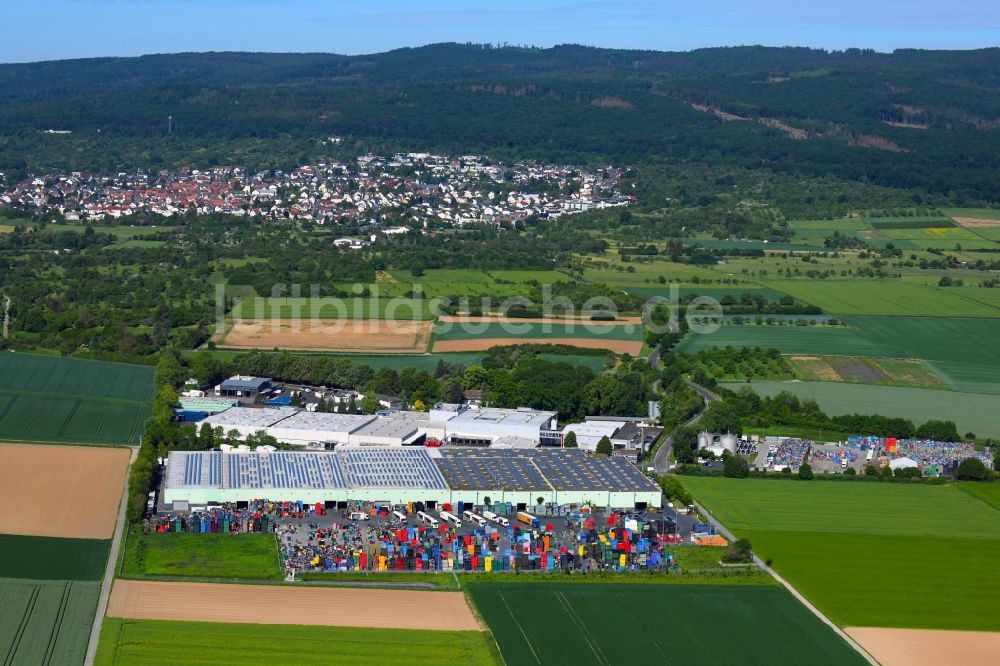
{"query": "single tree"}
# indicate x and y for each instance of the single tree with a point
(736, 467)
(569, 441)
(370, 404)
(972, 469)
(805, 472)
(887, 473)
(604, 446)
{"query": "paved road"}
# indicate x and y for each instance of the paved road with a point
(109, 572)
(6, 315)
(795, 593)
(661, 462)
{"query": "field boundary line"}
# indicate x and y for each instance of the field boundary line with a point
(519, 627)
(788, 586)
(57, 624)
(596, 649)
(23, 626)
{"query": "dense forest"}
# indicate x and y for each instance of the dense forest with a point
(924, 121)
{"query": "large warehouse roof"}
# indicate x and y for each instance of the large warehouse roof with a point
(406, 467)
(249, 417)
(326, 421)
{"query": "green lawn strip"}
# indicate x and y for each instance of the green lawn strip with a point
(519, 329)
(46, 621)
(52, 558)
(157, 642)
(602, 624)
(815, 434)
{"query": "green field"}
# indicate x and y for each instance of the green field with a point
(886, 297)
(56, 399)
(990, 232)
(462, 282)
(332, 308)
(871, 554)
(46, 622)
(52, 558)
(987, 492)
(975, 412)
(579, 623)
(712, 292)
(201, 555)
(959, 349)
(516, 329)
(818, 340)
(155, 643)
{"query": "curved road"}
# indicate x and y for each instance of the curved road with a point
(661, 462)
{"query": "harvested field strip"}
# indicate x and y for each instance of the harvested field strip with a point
(972, 412)
(206, 602)
(361, 335)
(921, 647)
(47, 622)
(482, 344)
(579, 623)
(50, 558)
(87, 481)
(155, 643)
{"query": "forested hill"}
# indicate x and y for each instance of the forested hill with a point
(923, 120)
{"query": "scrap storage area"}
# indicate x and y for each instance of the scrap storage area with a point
(60, 491)
(346, 335)
(401, 475)
(276, 604)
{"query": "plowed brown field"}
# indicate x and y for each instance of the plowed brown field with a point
(927, 647)
(281, 604)
(633, 347)
(348, 335)
(60, 491)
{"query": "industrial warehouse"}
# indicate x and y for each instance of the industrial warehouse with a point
(397, 476)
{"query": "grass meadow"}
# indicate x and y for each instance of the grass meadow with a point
(52, 558)
(884, 297)
(157, 642)
(869, 553)
(251, 556)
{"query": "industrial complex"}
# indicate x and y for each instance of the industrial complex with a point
(397, 476)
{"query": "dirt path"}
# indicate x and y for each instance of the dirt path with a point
(6, 315)
(928, 647)
(284, 604)
(109, 573)
(86, 479)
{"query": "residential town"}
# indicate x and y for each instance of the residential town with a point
(412, 189)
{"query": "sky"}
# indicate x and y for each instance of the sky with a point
(33, 30)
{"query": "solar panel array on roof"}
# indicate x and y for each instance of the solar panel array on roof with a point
(538, 469)
(283, 469)
(372, 467)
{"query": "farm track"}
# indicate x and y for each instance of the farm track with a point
(22, 627)
(57, 624)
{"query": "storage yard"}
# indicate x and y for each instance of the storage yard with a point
(84, 482)
(400, 475)
(334, 607)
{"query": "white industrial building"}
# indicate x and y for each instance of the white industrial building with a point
(413, 474)
(456, 424)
